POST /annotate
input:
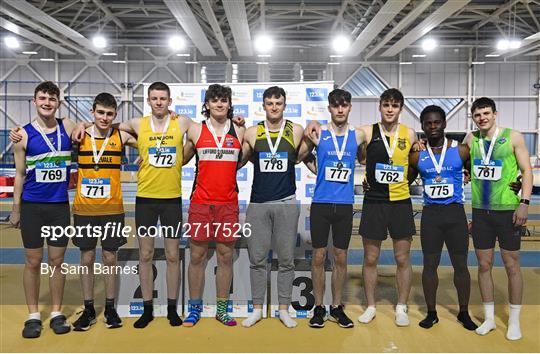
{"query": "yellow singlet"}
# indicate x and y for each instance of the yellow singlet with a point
(160, 173)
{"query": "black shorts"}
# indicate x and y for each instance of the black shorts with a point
(444, 224)
(35, 217)
(169, 212)
(380, 217)
(111, 238)
(338, 216)
(488, 225)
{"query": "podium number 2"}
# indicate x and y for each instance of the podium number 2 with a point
(138, 291)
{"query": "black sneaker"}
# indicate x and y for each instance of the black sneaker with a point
(60, 325)
(319, 316)
(84, 322)
(337, 315)
(112, 320)
(32, 329)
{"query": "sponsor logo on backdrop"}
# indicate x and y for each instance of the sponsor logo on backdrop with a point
(242, 206)
(185, 96)
(136, 308)
(241, 110)
(316, 110)
(203, 92)
(239, 95)
(298, 173)
(258, 95)
(260, 112)
(187, 110)
(241, 174)
(293, 94)
(293, 111)
(310, 189)
(188, 173)
(316, 94)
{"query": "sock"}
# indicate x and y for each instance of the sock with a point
(430, 320)
(466, 321)
(255, 317)
(109, 303)
(286, 319)
(172, 314)
(89, 306)
(368, 315)
(221, 313)
(514, 330)
(194, 314)
(489, 319)
(55, 314)
(147, 316)
(34, 316)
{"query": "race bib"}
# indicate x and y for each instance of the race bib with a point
(96, 187)
(51, 172)
(162, 157)
(389, 174)
(489, 172)
(336, 173)
(439, 190)
(277, 163)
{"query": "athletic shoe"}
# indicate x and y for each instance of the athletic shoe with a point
(32, 329)
(402, 319)
(338, 315)
(84, 322)
(319, 316)
(112, 320)
(60, 325)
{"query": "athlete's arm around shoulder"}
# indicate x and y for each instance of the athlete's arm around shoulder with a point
(131, 126)
(363, 134)
(192, 135)
(307, 144)
(19, 151)
(248, 145)
(128, 139)
(412, 135)
(467, 140)
(524, 163)
(412, 172)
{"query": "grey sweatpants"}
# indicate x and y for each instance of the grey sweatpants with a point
(272, 221)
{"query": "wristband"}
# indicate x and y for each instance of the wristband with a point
(525, 201)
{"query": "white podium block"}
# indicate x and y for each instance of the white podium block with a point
(130, 302)
(240, 304)
(303, 298)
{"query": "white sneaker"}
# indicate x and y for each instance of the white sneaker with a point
(402, 319)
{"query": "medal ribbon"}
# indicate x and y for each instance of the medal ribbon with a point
(95, 154)
(339, 151)
(160, 141)
(273, 148)
(47, 141)
(438, 165)
(389, 151)
(219, 144)
(487, 158)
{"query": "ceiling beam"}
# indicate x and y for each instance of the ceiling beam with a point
(495, 14)
(379, 22)
(237, 18)
(406, 21)
(339, 16)
(10, 26)
(212, 20)
(442, 13)
(109, 14)
(38, 15)
(185, 17)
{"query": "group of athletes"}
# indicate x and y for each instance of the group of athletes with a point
(221, 144)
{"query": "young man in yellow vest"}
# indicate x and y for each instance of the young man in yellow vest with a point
(98, 203)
